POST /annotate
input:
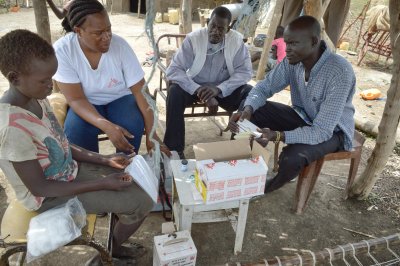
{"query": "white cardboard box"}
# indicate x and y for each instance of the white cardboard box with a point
(175, 249)
(229, 170)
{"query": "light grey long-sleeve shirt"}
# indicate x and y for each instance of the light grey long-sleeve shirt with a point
(214, 71)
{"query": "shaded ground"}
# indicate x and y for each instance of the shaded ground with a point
(272, 229)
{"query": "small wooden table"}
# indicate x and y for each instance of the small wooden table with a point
(188, 210)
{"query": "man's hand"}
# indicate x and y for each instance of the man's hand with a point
(117, 181)
(205, 93)
(117, 135)
(212, 105)
(239, 116)
(118, 160)
(267, 135)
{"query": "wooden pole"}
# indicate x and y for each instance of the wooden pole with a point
(42, 19)
(139, 6)
(315, 8)
(363, 16)
(186, 16)
(109, 5)
(276, 17)
(390, 118)
(360, 16)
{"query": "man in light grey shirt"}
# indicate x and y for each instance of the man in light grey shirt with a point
(212, 66)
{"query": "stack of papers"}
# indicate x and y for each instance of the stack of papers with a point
(247, 129)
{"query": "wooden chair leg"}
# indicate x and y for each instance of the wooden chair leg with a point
(276, 155)
(9, 251)
(355, 161)
(362, 54)
(306, 183)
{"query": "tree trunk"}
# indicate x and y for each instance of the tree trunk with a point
(390, 119)
(316, 9)
(42, 19)
(109, 5)
(186, 16)
(276, 17)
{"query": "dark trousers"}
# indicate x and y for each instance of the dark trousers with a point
(294, 157)
(178, 100)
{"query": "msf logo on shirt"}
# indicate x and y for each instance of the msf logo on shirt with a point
(113, 83)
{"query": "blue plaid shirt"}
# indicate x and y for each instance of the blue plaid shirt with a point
(325, 102)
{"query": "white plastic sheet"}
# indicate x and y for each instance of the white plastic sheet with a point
(55, 228)
(143, 176)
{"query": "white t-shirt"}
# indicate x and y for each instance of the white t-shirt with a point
(118, 69)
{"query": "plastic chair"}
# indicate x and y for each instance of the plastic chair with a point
(15, 225)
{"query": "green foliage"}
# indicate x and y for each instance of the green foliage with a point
(4, 3)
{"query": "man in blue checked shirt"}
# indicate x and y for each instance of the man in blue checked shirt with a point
(322, 87)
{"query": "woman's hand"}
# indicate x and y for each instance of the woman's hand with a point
(118, 137)
(117, 181)
(118, 160)
(163, 147)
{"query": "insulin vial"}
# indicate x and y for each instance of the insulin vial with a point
(184, 165)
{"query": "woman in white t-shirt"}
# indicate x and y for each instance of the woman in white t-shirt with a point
(101, 78)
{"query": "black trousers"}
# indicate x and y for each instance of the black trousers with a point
(294, 157)
(178, 100)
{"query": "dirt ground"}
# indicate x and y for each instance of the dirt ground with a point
(272, 228)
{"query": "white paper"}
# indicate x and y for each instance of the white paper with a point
(246, 126)
(143, 176)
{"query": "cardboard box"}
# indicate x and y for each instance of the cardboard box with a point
(230, 170)
(175, 249)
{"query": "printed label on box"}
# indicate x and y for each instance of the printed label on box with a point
(234, 194)
(175, 249)
(217, 196)
(235, 182)
(220, 185)
(251, 190)
(251, 180)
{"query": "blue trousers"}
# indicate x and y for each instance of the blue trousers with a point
(123, 112)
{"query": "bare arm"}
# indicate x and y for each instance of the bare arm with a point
(59, 12)
(32, 176)
(77, 100)
(147, 116)
(117, 160)
(82, 155)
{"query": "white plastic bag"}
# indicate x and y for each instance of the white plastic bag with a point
(167, 178)
(166, 161)
(55, 228)
(143, 176)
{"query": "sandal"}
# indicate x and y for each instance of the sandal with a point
(130, 251)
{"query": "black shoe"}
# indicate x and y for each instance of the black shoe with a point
(101, 214)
